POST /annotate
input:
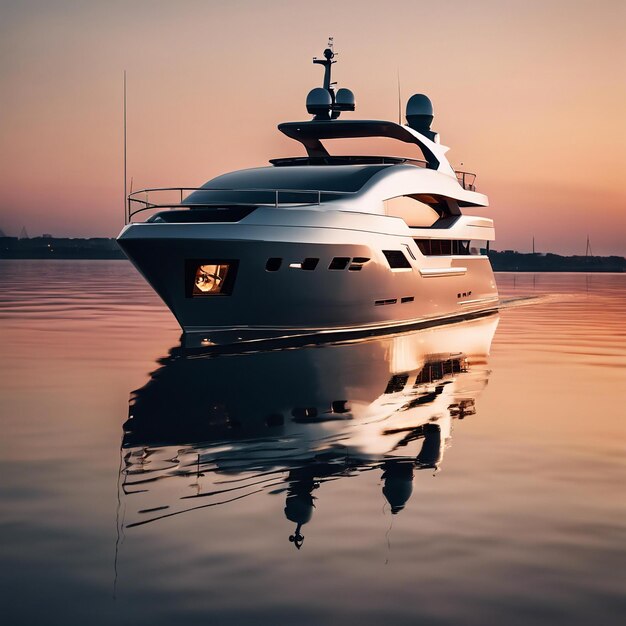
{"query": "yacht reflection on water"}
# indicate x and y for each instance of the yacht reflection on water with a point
(285, 422)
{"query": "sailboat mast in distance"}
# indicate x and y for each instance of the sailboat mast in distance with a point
(125, 169)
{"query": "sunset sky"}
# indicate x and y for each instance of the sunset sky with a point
(529, 94)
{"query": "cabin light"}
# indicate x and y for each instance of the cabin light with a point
(209, 279)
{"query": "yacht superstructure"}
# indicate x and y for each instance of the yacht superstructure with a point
(320, 245)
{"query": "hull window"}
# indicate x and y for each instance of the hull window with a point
(210, 277)
(357, 263)
(339, 263)
(384, 302)
(273, 264)
(448, 247)
(396, 259)
(308, 264)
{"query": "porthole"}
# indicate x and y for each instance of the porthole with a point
(357, 263)
(339, 263)
(273, 264)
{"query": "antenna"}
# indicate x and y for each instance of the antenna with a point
(399, 99)
(327, 62)
(323, 102)
(125, 168)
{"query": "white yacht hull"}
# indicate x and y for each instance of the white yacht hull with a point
(294, 302)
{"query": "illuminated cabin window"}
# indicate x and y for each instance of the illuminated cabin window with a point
(447, 247)
(210, 277)
(415, 213)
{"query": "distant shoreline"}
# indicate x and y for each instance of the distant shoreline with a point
(511, 261)
(102, 248)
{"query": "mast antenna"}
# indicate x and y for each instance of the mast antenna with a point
(399, 99)
(327, 61)
(125, 162)
(323, 102)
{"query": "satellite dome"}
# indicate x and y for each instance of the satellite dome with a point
(419, 113)
(319, 102)
(344, 100)
(419, 104)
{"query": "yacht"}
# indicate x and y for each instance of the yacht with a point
(321, 245)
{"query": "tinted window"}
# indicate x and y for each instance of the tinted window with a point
(396, 259)
(330, 178)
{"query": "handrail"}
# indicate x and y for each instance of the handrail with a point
(145, 204)
(466, 180)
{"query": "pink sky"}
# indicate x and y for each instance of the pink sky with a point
(530, 95)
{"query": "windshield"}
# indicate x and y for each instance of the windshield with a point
(285, 185)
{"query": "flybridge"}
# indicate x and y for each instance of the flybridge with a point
(326, 105)
(310, 135)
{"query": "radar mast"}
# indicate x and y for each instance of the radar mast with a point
(327, 62)
(322, 102)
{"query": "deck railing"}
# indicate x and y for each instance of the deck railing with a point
(467, 180)
(140, 201)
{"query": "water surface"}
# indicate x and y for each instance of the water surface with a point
(466, 475)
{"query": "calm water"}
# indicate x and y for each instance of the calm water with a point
(467, 475)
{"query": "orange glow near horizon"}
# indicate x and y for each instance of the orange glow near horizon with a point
(530, 95)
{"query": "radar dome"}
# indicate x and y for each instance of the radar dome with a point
(319, 102)
(344, 100)
(419, 113)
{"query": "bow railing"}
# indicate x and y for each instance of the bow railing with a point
(162, 198)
